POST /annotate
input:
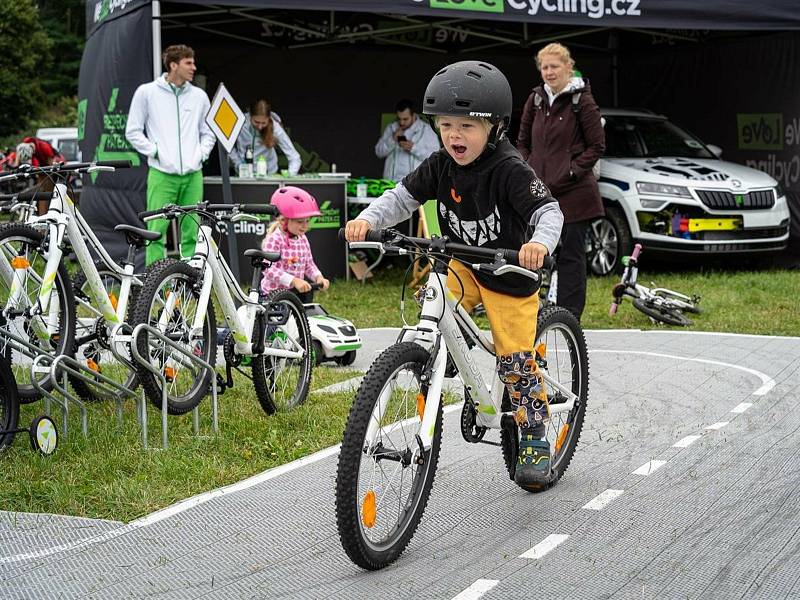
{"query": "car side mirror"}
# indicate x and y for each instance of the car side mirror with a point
(715, 150)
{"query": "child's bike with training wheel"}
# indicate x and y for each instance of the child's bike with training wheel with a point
(176, 300)
(660, 304)
(391, 442)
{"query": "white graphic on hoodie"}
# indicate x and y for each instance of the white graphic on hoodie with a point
(473, 233)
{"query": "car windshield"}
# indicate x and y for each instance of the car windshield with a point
(69, 149)
(641, 137)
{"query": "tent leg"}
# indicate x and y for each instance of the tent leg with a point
(156, 38)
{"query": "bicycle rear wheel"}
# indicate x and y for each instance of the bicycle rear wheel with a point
(561, 355)
(381, 487)
(91, 345)
(282, 383)
(9, 404)
(53, 332)
(174, 283)
(672, 300)
(659, 312)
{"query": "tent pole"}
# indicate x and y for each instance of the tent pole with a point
(156, 38)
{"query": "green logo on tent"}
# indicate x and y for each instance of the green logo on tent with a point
(329, 219)
(495, 6)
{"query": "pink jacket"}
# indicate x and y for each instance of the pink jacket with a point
(296, 260)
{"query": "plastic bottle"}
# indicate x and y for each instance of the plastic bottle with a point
(261, 166)
(248, 161)
(361, 189)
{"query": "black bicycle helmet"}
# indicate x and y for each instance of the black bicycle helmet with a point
(470, 88)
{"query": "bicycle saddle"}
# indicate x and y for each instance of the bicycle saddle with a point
(137, 235)
(268, 256)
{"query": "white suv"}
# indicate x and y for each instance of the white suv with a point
(665, 188)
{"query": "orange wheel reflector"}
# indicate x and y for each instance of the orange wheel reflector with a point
(369, 510)
(420, 405)
(92, 365)
(541, 349)
(170, 373)
(562, 436)
(20, 262)
(112, 297)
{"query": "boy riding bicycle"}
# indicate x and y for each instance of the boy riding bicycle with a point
(486, 196)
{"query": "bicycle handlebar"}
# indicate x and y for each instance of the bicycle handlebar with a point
(26, 197)
(171, 210)
(28, 170)
(448, 247)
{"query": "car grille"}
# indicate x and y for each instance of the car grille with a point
(758, 200)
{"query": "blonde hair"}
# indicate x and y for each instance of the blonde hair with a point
(556, 49)
(487, 124)
(278, 222)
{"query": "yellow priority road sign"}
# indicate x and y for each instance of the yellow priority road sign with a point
(225, 118)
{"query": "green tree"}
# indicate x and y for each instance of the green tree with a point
(65, 24)
(25, 51)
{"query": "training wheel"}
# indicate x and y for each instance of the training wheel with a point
(44, 435)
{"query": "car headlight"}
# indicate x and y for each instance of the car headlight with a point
(779, 191)
(663, 189)
(651, 204)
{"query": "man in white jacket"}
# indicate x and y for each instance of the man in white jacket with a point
(167, 124)
(405, 143)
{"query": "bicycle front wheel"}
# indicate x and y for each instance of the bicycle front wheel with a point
(281, 383)
(169, 301)
(384, 479)
(51, 332)
(662, 313)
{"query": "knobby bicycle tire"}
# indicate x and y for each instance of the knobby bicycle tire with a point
(352, 501)
(157, 285)
(670, 316)
(23, 240)
(282, 384)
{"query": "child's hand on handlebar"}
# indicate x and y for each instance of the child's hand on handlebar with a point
(356, 230)
(323, 282)
(531, 255)
(301, 285)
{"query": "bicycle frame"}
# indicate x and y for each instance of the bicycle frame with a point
(63, 220)
(441, 316)
(217, 275)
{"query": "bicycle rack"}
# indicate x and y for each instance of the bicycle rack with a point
(145, 362)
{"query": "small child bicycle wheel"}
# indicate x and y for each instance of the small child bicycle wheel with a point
(44, 435)
(670, 316)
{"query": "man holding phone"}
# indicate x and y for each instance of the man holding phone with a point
(406, 142)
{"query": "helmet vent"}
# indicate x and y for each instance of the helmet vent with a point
(430, 100)
(474, 75)
(463, 103)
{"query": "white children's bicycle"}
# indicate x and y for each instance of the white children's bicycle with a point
(660, 304)
(391, 442)
(36, 291)
(176, 299)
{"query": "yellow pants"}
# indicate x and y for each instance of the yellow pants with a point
(512, 320)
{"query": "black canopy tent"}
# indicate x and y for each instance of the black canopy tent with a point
(330, 67)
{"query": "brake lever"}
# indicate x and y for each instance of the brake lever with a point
(95, 168)
(504, 268)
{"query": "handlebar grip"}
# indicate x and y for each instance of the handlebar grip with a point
(612, 310)
(636, 250)
(26, 196)
(153, 213)
(117, 164)
(316, 286)
(549, 263)
(259, 209)
(373, 235)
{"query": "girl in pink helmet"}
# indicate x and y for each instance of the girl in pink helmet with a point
(287, 235)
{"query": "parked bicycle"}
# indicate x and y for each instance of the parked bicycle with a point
(390, 448)
(176, 299)
(660, 304)
(36, 291)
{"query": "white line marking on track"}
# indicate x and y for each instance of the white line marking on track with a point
(767, 382)
(477, 589)
(718, 425)
(740, 408)
(687, 441)
(649, 467)
(603, 499)
(545, 546)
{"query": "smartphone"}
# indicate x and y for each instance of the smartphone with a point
(402, 138)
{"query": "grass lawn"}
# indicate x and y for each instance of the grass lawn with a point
(108, 475)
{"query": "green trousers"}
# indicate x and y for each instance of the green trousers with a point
(183, 190)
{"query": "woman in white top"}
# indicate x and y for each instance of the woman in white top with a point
(260, 134)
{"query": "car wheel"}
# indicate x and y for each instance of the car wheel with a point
(608, 240)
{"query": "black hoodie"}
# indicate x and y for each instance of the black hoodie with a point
(487, 203)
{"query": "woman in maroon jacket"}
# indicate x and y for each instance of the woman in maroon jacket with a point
(561, 136)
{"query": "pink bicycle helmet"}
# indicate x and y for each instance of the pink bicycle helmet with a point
(295, 203)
